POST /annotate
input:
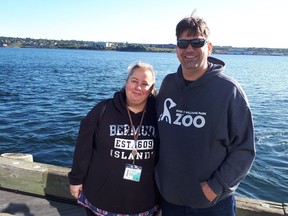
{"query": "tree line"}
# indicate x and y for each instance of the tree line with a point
(132, 47)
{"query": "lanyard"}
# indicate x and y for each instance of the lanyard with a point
(135, 133)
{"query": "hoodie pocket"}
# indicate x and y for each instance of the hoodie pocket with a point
(180, 187)
(194, 196)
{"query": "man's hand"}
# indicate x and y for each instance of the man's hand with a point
(208, 192)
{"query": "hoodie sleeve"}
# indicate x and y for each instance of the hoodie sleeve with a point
(84, 146)
(241, 147)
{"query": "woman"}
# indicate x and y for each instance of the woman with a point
(116, 151)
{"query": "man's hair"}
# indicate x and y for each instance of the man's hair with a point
(195, 26)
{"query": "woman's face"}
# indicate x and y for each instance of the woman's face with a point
(138, 86)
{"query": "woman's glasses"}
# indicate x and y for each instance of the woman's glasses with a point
(195, 43)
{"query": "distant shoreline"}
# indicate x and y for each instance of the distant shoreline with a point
(130, 47)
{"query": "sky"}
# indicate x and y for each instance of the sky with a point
(237, 23)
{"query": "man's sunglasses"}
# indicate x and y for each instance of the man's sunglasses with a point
(195, 43)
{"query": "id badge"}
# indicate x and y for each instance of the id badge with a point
(132, 172)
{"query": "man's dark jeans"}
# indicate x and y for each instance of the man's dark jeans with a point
(226, 207)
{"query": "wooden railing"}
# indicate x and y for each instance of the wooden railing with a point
(52, 181)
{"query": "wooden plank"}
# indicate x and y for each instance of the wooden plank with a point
(253, 207)
(57, 183)
(52, 181)
(35, 178)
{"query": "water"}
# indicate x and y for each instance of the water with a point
(44, 94)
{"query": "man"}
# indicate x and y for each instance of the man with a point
(206, 130)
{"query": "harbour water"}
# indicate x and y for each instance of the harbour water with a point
(44, 94)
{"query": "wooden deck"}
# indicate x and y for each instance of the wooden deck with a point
(13, 203)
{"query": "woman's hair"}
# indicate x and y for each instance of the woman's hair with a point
(195, 26)
(136, 65)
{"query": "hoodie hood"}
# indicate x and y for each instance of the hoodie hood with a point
(119, 100)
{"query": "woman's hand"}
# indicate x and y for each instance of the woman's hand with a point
(75, 190)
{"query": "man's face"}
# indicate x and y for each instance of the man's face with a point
(193, 59)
